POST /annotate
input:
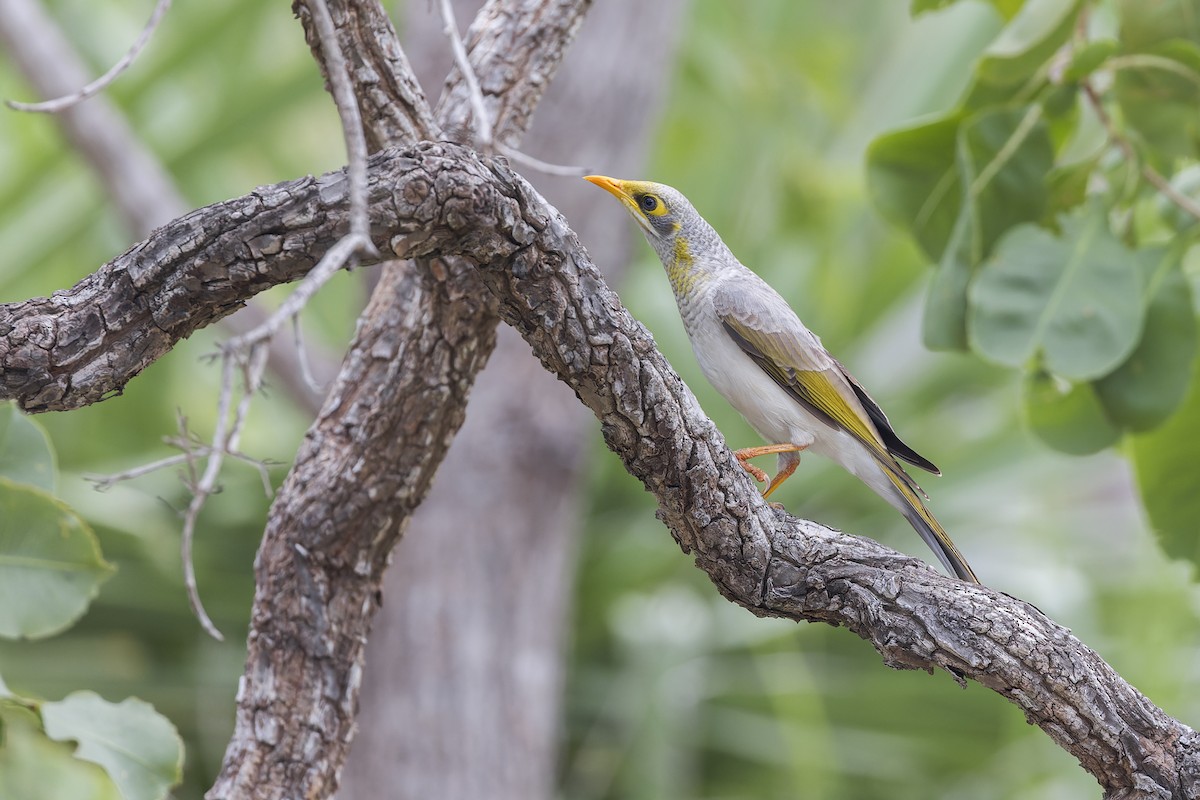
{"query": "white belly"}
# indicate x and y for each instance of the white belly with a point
(775, 414)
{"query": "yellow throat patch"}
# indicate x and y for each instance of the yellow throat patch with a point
(680, 273)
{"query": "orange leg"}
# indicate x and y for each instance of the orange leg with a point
(781, 476)
(747, 453)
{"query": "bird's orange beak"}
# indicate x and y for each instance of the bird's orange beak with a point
(611, 185)
(618, 189)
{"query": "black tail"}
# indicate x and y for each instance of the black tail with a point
(931, 530)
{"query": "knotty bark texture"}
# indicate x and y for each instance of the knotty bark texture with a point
(779, 566)
(476, 713)
(370, 456)
(487, 244)
(444, 200)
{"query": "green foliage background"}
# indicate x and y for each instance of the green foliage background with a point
(673, 692)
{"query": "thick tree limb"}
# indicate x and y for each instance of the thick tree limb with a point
(479, 713)
(83, 344)
(765, 560)
(441, 200)
(393, 107)
(398, 402)
(512, 79)
(142, 191)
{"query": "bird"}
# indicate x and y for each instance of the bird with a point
(755, 351)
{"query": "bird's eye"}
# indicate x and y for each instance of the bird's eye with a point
(648, 203)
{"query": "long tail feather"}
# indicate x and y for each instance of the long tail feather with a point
(931, 530)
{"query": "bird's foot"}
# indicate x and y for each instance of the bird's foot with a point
(754, 471)
(788, 467)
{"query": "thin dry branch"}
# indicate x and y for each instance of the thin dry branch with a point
(1152, 176)
(767, 561)
(372, 453)
(393, 107)
(143, 193)
(141, 189)
(545, 167)
(100, 84)
(479, 113)
(250, 349)
(760, 558)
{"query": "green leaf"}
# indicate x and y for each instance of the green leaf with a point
(923, 6)
(138, 747)
(50, 563)
(1035, 34)
(1187, 182)
(1067, 186)
(34, 768)
(916, 176)
(1014, 67)
(944, 325)
(957, 206)
(1158, 92)
(1165, 464)
(1145, 390)
(1004, 156)
(25, 452)
(1146, 24)
(1067, 418)
(1086, 59)
(1074, 298)
(1006, 8)
(912, 176)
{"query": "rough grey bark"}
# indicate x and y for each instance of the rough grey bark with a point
(85, 343)
(368, 459)
(442, 199)
(141, 190)
(462, 699)
(367, 462)
(776, 565)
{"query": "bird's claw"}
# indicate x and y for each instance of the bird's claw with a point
(757, 473)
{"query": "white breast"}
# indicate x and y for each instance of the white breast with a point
(771, 411)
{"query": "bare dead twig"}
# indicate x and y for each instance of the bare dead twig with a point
(192, 450)
(249, 350)
(546, 167)
(484, 132)
(1152, 176)
(201, 489)
(130, 173)
(99, 84)
(483, 122)
(306, 373)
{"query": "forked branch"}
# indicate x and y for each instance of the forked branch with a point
(760, 558)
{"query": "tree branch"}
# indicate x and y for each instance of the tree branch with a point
(369, 458)
(507, 499)
(101, 83)
(84, 344)
(441, 200)
(512, 77)
(765, 560)
(141, 190)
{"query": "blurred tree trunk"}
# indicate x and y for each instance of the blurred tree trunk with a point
(463, 699)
